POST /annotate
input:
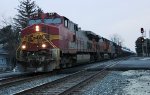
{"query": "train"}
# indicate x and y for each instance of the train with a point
(51, 41)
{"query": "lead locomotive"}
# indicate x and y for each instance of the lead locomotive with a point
(52, 42)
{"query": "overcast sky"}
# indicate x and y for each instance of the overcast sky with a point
(104, 17)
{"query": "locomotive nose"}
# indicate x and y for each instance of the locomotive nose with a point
(34, 38)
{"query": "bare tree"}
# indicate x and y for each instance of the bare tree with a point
(116, 39)
(8, 38)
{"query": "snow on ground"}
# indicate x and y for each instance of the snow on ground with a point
(139, 83)
(146, 58)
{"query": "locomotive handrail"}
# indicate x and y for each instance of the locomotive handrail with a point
(18, 49)
(51, 43)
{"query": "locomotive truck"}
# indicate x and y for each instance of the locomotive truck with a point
(52, 42)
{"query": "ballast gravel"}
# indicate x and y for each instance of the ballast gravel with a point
(132, 82)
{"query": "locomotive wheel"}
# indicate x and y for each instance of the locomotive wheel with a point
(49, 67)
(21, 68)
(69, 64)
(63, 62)
(92, 59)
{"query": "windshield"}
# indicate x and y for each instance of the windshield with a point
(46, 21)
(52, 21)
(31, 22)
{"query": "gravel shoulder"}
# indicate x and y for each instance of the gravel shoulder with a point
(132, 82)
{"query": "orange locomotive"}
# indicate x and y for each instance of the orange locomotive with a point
(52, 41)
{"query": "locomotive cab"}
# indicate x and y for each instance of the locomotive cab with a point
(40, 41)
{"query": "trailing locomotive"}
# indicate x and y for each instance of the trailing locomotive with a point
(52, 42)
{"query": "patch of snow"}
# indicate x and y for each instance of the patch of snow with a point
(147, 58)
(128, 73)
(139, 83)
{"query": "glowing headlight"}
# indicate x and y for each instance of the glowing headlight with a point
(43, 45)
(37, 28)
(23, 47)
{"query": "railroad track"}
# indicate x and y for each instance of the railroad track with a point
(18, 80)
(68, 84)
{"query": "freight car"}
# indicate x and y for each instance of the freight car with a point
(52, 42)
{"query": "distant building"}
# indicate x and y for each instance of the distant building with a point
(4, 60)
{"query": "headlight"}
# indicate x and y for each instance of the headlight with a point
(43, 45)
(23, 46)
(37, 28)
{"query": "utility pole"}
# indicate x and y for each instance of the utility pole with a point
(149, 34)
(142, 41)
(149, 44)
(146, 47)
(146, 51)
